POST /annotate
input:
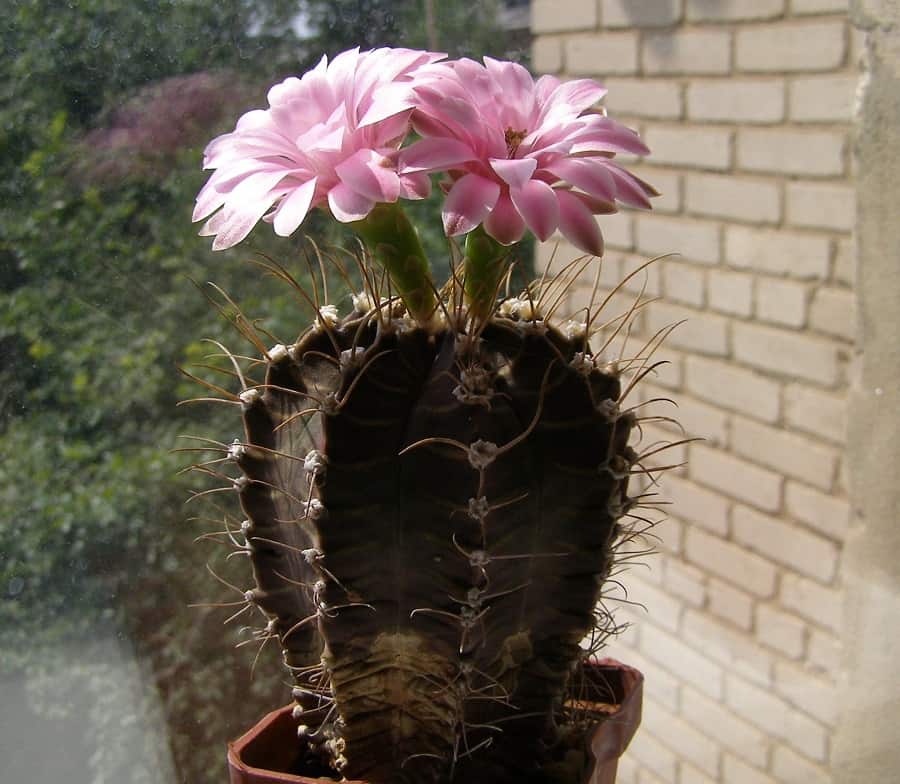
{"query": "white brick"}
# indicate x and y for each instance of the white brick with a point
(650, 752)
(688, 146)
(789, 47)
(858, 44)
(781, 302)
(644, 776)
(661, 609)
(685, 581)
(657, 448)
(815, 696)
(736, 101)
(833, 311)
(829, 206)
(683, 283)
(775, 717)
(818, 6)
(732, 387)
(796, 254)
(739, 772)
(687, 52)
(820, 413)
(790, 768)
(546, 54)
(824, 653)
(612, 307)
(659, 686)
(730, 604)
(558, 252)
(648, 280)
(730, 561)
(639, 13)
(642, 98)
(793, 455)
(812, 153)
(822, 98)
(702, 421)
(730, 292)
(688, 774)
(702, 332)
(733, 10)
(795, 548)
(599, 55)
(845, 261)
(696, 505)
(682, 660)
(735, 477)
(671, 534)
(665, 449)
(627, 771)
(780, 630)
(724, 196)
(813, 601)
(618, 230)
(695, 240)
(825, 513)
(734, 649)
(670, 374)
(682, 738)
(734, 734)
(667, 183)
(556, 16)
(793, 355)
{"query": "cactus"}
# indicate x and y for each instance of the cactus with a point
(434, 484)
(431, 514)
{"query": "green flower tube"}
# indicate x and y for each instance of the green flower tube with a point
(395, 244)
(485, 265)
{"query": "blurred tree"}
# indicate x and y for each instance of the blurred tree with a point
(458, 27)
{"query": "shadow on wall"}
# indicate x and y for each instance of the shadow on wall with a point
(666, 10)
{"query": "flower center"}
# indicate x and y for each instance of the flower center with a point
(513, 140)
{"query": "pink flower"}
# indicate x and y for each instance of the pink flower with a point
(521, 153)
(330, 136)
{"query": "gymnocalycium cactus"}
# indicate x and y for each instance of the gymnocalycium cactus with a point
(433, 481)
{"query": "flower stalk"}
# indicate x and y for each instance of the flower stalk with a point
(394, 243)
(486, 263)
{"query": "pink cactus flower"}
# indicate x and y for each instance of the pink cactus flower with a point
(332, 136)
(521, 153)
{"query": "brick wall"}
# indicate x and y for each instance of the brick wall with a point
(746, 105)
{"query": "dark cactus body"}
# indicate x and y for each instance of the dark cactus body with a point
(431, 515)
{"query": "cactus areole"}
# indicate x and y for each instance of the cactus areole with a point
(433, 483)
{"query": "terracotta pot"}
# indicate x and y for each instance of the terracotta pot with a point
(266, 753)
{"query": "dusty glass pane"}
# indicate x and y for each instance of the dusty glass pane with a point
(106, 672)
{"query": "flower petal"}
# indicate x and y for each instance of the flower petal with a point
(537, 203)
(631, 190)
(590, 175)
(348, 205)
(575, 96)
(415, 186)
(434, 155)
(293, 209)
(578, 225)
(504, 223)
(371, 175)
(514, 172)
(470, 199)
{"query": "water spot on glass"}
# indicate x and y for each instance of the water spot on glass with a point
(14, 587)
